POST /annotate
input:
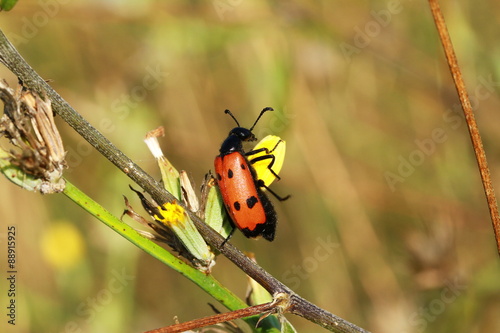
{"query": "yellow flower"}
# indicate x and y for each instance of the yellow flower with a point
(174, 217)
(62, 245)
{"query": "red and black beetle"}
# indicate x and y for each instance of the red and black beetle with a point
(248, 206)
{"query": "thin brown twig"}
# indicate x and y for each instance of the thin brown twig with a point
(469, 118)
(218, 318)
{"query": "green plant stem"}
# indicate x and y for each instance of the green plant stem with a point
(17, 65)
(207, 282)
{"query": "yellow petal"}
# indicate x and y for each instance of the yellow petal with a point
(271, 145)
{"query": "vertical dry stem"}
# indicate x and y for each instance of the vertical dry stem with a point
(469, 118)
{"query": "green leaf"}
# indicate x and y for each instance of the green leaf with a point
(7, 5)
(169, 174)
(215, 213)
(286, 327)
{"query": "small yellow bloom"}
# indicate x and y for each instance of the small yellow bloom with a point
(174, 217)
(172, 214)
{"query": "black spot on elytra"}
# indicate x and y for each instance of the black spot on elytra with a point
(243, 167)
(229, 173)
(219, 177)
(252, 201)
(237, 205)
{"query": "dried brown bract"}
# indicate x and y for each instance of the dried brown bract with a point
(37, 149)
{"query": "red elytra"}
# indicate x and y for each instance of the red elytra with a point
(249, 208)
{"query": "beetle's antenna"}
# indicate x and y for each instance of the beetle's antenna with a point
(260, 115)
(229, 113)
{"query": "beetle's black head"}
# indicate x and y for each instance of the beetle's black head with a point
(235, 139)
(244, 134)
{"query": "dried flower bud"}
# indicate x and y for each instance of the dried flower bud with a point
(36, 161)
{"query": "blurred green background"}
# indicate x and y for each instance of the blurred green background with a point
(388, 225)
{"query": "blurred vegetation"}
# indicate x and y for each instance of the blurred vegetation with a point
(415, 256)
